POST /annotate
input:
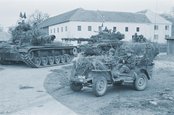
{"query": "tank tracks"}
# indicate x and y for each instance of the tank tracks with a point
(30, 61)
(36, 58)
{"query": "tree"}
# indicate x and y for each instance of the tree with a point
(37, 17)
(20, 15)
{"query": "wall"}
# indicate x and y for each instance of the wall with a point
(57, 31)
(146, 29)
(156, 19)
(95, 28)
(131, 29)
(161, 32)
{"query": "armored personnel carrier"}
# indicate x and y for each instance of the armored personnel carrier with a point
(31, 46)
(129, 63)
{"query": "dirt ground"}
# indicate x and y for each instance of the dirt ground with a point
(23, 87)
(157, 99)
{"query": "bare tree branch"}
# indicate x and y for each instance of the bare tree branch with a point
(37, 17)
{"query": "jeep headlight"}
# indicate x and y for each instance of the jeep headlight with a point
(81, 77)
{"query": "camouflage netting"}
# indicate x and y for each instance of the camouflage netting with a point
(147, 51)
(148, 48)
(19, 32)
(42, 40)
(82, 65)
(89, 50)
(133, 54)
(24, 34)
(107, 35)
(99, 48)
(101, 43)
(139, 38)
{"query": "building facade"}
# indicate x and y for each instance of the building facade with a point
(80, 23)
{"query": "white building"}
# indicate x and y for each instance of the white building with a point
(80, 23)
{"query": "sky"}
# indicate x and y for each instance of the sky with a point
(10, 9)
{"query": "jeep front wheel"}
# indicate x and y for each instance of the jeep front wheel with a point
(141, 82)
(76, 86)
(99, 85)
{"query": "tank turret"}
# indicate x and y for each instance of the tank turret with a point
(101, 43)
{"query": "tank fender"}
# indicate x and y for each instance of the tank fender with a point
(25, 50)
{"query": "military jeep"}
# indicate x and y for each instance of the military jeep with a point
(119, 67)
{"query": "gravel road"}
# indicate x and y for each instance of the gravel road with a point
(22, 89)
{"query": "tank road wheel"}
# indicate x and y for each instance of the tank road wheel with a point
(57, 59)
(68, 58)
(99, 85)
(44, 61)
(51, 60)
(141, 82)
(76, 86)
(63, 59)
(75, 51)
(31, 55)
(37, 61)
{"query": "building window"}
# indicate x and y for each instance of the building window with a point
(100, 28)
(166, 27)
(61, 29)
(126, 29)
(166, 36)
(156, 27)
(89, 28)
(156, 37)
(54, 30)
(138, 29)
(66, 29)
(57, 30)
(79, 28)
(50, 30)
(114, 29)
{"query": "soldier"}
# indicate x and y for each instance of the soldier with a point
(126, 61)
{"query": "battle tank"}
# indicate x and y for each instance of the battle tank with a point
(101, 43)
(31, 46)
(129, 63)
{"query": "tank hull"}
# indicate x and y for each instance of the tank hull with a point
(38, 56)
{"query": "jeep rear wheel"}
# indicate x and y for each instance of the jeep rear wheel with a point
(141, 82)
(76, 86)
(99, 85)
